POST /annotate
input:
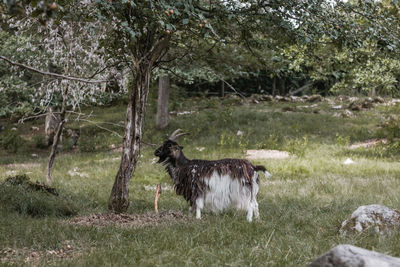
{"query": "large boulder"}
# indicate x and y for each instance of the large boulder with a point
(349, 256)
(380, 218)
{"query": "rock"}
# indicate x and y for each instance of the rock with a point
(347, 114)
(349, 256)
(367, 103)
(268, 98)
(378, 99)
(348, 161)
(34, 128)
(353, 99)
(344, 114)
(283, 99)
(337, 107)
(381, 218)
(355, 106)
(259, 98)
(315, 98)
(296, 99)
(288, 109)
(342, 98)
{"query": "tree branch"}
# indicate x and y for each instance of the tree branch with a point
(45, 73)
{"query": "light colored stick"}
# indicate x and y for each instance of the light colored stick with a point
(158, 193)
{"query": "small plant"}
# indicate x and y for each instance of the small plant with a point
(342, 140)
(298, 146)
(272, 142)
(234, 141)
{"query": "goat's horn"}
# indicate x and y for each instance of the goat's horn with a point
(176, 134)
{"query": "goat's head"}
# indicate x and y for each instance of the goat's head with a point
(170, 149)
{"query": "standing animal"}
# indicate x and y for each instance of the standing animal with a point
(215, 184)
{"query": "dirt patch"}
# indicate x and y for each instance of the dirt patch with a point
(368, 143)
(23, 165)
(67, 249)
(266, 154)
(130, 220)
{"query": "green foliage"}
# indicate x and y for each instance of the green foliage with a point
(18, 194)
(39, 141)
(271, 143)
(229, 140)
(390, 128)
(11, 141)
(342, 140)
(297, 146)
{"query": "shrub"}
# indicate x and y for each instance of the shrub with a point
(34, 199)
(11, 141)
(298, 146)
(39, 141)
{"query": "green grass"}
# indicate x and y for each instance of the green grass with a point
(301, 206)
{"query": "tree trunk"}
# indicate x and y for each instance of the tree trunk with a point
(222, 89)
(56, 139)
(119, 199)
(274, 86)
(283, 86)
(162, 105)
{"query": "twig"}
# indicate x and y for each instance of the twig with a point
(103, 128)
(230, 86)
(158, 193)
(59, 76)
(146, 143)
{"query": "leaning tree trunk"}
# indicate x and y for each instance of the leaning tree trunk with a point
(119, 199)
(162, 104)
(57, 137)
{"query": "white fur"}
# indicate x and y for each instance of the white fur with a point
(224, 192)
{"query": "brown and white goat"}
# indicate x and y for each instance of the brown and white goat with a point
(216, 184)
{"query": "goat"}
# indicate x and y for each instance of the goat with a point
(216, 184)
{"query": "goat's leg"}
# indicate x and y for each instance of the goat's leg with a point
(199, 206)
(254, 192)
(191, 209)
(249, 212)
(256, 212)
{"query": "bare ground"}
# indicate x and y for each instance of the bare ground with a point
(368, 143)
(130, 220)
(31, 256)
(266, 154)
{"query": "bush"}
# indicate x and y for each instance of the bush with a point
(39, 141)
(11, 141)
(34, 199)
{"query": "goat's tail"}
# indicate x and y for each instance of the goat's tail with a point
(263, 169)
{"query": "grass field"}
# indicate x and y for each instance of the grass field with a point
(301, 206)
